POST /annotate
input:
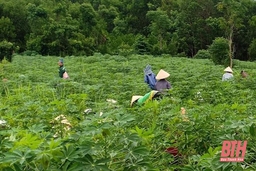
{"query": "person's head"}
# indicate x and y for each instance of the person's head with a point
(162, 75)
(243, 74)
(228, 70)
(60, 63)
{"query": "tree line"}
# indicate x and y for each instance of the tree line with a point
(84, 27)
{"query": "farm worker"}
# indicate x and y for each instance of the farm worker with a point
(144, 99)
(62, 69)
(243, 74)
(228, 74)
(149, 77)
(162, 83)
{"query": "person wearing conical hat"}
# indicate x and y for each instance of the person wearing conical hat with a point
(62, 69)
(140, 100)
(162, 84)
(228, 74)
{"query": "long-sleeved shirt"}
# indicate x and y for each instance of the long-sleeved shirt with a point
(61, 71)
(162, 85)
(150, 79)
(227, 76)
(147, 97)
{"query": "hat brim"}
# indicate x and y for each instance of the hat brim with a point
(228, 69)
(162, 75)
(154, 92)
(134, 98)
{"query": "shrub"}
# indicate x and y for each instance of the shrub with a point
(125, 50)
(6, 50)
(203, 54)
(219, 51)
(29, 53)
(141, 46)
(252, 50)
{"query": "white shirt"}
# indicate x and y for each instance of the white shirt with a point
(227, 76)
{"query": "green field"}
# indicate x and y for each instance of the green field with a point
(115, 136)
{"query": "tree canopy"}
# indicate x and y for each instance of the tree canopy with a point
(83, 27)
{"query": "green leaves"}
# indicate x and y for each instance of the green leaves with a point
(118, 137)
(18, 157)
(37, 128)
(139, 151)
(123, 119)
(253, 130)
(29, 141)
(92, 164)
(219, 50)
(146, 135)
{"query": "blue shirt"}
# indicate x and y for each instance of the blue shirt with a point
(150, 79)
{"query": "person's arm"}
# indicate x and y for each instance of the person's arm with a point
(143, 99)
(145, 79)
(63, 70)
(223, 77)
(168, 85)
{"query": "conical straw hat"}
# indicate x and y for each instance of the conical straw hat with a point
(134, 98)
(228, 69)
(154, 92)
(162, 75)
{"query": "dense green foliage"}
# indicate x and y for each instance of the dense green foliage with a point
(124, 27)
(122, 138)
(219, 51)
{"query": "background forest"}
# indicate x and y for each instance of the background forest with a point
(124, 27)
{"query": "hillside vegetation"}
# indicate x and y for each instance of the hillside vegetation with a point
(115, 136)
(125, 27)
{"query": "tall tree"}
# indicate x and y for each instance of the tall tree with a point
(14, 10)
(7, 29)
(134, 13)
(108, 15)
(232, 20)
(192, 29)
(160, 24)
(88, 18)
